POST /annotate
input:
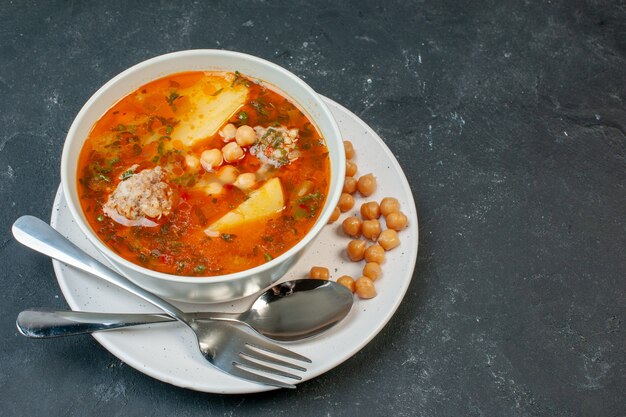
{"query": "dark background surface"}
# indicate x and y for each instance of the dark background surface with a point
(509, 120)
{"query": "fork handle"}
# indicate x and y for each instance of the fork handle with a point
(42, 323)
(43, 238)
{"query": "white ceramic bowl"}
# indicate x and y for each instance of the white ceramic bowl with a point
(224, 287)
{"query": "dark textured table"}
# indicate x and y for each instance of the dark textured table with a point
(509, 120)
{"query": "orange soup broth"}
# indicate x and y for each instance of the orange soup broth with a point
(124, 136)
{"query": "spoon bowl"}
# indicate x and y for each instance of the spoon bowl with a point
(299, 309)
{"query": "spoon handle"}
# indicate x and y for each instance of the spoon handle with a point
(48, 323)
(41, 237)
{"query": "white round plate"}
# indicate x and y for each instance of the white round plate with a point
(168, 352)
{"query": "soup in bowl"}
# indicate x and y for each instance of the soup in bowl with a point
(201, 175)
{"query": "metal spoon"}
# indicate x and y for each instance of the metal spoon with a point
(289, 311)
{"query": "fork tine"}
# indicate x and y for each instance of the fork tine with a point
(235, 370)
(260, 342)
(272, 347)
(245, 362)
(255, 354)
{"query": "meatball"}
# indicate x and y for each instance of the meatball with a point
(143, 194)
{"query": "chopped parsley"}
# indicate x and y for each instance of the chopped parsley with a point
(239, 79)
(186, 179)
(243, 116)
(172, 97)
(101, 177)
(113, 161)
(313, 196)
(267, 257)
(126, 128)
(309, 205)
(259, 107)
(127, 174)
(227, 237)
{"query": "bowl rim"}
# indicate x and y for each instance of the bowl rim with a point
(331, 199)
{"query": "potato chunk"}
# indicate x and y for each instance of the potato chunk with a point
(262, 203)
(208, 112)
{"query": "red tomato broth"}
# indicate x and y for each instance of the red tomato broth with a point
(178, 245)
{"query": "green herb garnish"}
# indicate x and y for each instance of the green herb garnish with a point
(127, 174)
(101, 177)
(199, 269)
(243, 116)
(100, 218)
(113, 161)
(239, 79)
(227, 237)
(126, 128)
(313, 196)
(259, 107)
(300, 214)
(311, 202)
(170, 100)
(267, 257)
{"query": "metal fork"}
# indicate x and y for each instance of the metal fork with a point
(232, 347)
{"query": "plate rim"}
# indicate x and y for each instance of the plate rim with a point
(254, 388)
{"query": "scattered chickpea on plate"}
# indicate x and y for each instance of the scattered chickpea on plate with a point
(369, 240)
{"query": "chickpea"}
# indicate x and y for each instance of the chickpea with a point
(347, 282)
(375, 253)
(349, 185)
(232, 152)
(372, 270)
(346, 202)
(333, 217)
(356, 250)
(245, 181)
(367, 185)
(245, 136)
(228, 132)
(389, 205)
(192, 162)
(352, 226)
(319, 272)
(351, 168)
(389, 239)
(396, 220)
(214, 188)
(347, 146)
(370, 210)
(371, 229)
(227, 174)
(364, 288)
(210, 159)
